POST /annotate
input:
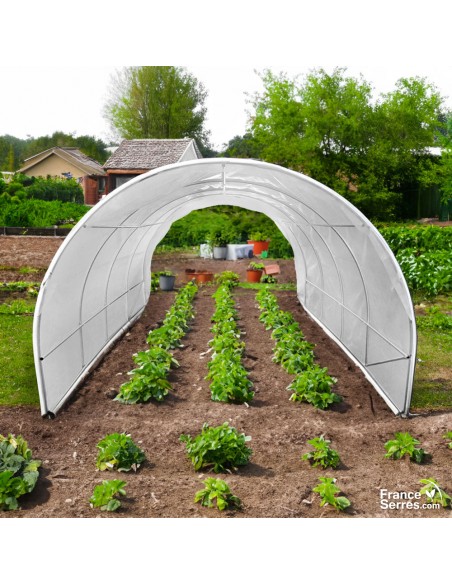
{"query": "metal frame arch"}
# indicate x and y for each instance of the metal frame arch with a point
(280, 193)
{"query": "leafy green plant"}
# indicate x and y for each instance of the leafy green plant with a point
(448, 436)
(402, 445)
(322, 455)
(434, 493)
(268, 279)
(104, 495)
(219, 490)
(147, 382)
(227, 278)
(219, 237)
(314, 386)
(119, 452)
(257, 236)
(18, 470)
(328, 491)
(229, 378)
(256, 266)
(221, 447)
(167, 273)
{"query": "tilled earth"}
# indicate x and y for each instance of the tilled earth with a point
(276, 482)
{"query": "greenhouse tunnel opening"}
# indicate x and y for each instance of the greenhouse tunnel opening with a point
(347, 278)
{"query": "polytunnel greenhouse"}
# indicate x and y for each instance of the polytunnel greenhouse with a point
(348, 280)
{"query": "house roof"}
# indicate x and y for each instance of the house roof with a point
(73, 155)
(149, 154)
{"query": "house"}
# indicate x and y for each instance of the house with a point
(134, 157)
(70, 163)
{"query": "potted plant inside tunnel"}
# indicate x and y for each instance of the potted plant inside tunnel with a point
(166, 280)
(254, 272)
(260, 242)
(218, 241)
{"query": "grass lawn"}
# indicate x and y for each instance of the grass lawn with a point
(18, 384)
(433, 378)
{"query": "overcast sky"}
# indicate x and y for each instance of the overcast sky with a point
(59, 72)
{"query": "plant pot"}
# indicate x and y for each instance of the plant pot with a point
(259, 246)
(220, 253)
(166, 283)
(253, 276)
(199, 276)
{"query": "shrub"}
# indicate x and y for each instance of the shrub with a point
(119, 452)
(221, 447)
(18, 471)
(219, 490)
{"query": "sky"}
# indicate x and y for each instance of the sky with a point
(56, 76)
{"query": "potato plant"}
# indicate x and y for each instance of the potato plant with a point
(404, 444)
(312, 383)
(18, 470)
(322, 455)
(119, 452)
(104, 495)
(220, 448)
(149, 379)
(229, 381)
(216, 489)
(328, 492)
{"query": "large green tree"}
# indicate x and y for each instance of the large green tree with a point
(157, 102)
(330, 127)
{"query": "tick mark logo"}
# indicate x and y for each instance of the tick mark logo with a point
(430, 494)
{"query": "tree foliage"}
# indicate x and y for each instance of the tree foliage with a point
(13, 151)
(157, 102)
(330, 127)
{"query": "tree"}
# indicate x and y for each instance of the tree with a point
(329, 127)
(89, 145)
(242, 147)
(157, 102)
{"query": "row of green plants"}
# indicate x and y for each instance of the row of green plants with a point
(23, 188)
(216, 448)
(312, 384)
(424, 254)
(149, 379)
(37, 213)
(229, 381)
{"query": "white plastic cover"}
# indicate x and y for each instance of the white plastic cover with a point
(347, 277)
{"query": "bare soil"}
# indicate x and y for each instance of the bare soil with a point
(276, 482)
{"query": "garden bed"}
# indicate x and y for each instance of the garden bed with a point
(276, 483)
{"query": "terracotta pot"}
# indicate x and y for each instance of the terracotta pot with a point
(253, 275)
(259, 246)
(200, 276)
